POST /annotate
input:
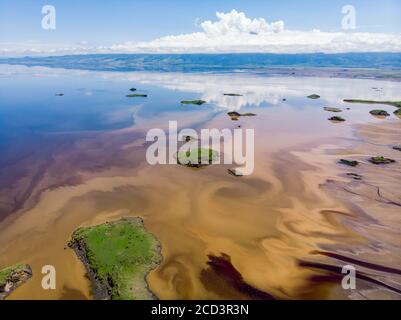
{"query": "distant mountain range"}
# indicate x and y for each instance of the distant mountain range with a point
(211, 62)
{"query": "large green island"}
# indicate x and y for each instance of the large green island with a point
(12, 277)
(118, 256)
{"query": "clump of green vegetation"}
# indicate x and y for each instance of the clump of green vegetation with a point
(197, 102)
(379, 112)
(314, 96)
(337, 119)
(351, 163)
(12, 277)
(398, 112)
(396, 104)
(133, 95)
(117, 255)
(381, 160)
(197, 158)
(233, 94)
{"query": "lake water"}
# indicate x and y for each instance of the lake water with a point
(79, 159)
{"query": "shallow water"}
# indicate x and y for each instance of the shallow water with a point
(79, 159)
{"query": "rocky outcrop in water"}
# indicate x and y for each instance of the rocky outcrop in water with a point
(13, 277)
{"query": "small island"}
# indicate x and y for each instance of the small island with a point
(332, 109)
(234, 115)
(396, 104)
(118, 256)
(133, 95)
(381, 160)
(337, 119)
(379, 112)
(197, 158)
(313, 96)
(197, 102)
(12, 277)
(351, 163)
(233, 94)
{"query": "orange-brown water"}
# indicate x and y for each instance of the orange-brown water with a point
(263, 224)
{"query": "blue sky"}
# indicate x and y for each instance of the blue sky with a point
(110, 22)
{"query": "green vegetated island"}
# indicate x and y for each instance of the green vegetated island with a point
(118, 256)
(197, 102)
(197, 158)
(12, 277)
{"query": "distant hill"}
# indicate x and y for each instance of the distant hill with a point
(211, 62)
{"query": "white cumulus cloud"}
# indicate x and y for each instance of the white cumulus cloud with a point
(236, 23)
(235, 32)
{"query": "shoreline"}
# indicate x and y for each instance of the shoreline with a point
(374, 198)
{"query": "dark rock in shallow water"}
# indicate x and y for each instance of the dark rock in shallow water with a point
(235, 115)
(337, 119)
(378, 112)
(352, 163)
(331, 109)
(355, 176)
(398, 112)
(398, 148)
(132, 89)
(59, 94)
(233, 94)
(197, 102)
(314, 96)
(381, 160)
(133, 95)
(189, 138)
(236, 172)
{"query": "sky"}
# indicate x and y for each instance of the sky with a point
(285, 26)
